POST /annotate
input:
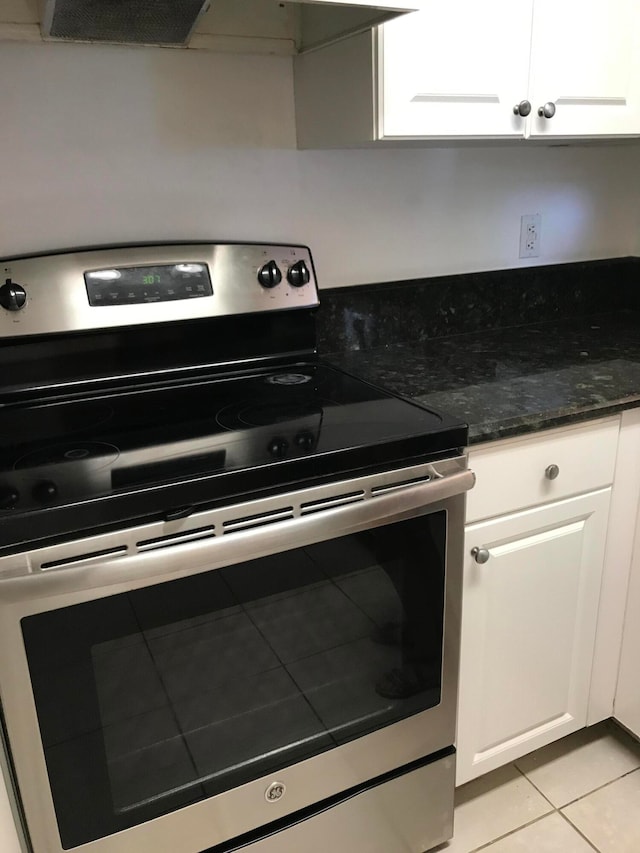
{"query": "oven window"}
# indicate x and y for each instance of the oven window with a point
(151, 700)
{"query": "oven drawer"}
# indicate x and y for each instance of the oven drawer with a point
(512, 475)
(412, 813)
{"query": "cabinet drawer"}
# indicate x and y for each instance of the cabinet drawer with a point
(514, 474)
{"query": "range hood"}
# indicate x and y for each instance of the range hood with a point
(265, 25)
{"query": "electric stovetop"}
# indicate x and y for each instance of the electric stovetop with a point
(299, 421)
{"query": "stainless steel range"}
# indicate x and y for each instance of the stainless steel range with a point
(229, 571)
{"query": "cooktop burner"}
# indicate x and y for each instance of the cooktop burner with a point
(265, 414)
(98, 453)
(48, 422)
(288, 379)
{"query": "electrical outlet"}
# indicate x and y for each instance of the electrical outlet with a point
(530, 235)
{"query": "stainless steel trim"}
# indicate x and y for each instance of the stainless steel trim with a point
(411, 813)
(380, 490)
(247, 522)
(418, 485)
(204, 824)
(7, 778)
(84, 558)
(175, 539)
(327, 503)
(57, 298)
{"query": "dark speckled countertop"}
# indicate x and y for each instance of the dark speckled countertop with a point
(517, 380)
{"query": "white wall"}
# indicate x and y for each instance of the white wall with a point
(107, 144)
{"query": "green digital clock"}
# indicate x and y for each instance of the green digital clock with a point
(157, 283)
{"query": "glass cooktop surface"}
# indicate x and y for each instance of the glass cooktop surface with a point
(245, 431)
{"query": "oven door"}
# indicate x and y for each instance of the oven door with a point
(171, 687)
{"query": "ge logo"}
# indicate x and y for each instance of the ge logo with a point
(275, 791)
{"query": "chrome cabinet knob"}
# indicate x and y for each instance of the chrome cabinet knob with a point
(522, 109)
(548, 110)
(551, 472)
(480, 555)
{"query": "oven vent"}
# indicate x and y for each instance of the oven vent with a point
(175, 539)
(401, 484)
(250, 521)
(332, 502)
(81, 558)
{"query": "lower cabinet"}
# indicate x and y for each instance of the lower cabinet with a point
(627, 701)
(627, 698)
(530, 609)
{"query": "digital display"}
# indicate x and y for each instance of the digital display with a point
(135, 285)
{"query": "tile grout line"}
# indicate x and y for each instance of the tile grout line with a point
(554, 808)
(533, 785)
(599, 788)
(577, 800)
(523, 825)
(558, 809)
(507, 834)
(579, 831)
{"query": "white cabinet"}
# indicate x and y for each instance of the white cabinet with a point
(627, 695)
(627, 701)
(517, 474)
(585, 59)
(456, 70)
(531, 596)
(528, 630)
(442, 72)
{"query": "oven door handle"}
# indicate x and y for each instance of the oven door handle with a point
(394, 501)
(133, 565)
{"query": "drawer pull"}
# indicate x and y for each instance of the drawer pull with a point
(551, 472)
(480, 555)
(522, 109)
(548, 110)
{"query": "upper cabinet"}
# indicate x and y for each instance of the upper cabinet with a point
(455, 69)
(498, 69)
(585, 61)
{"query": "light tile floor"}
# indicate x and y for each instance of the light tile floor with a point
(577, 795)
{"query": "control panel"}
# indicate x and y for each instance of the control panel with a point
(134, 285)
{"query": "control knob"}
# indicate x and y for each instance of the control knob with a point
(269, 275)
(45, 491)
(9, 497)
(12, 296)
(298, 274)
(305, 440)
(278, 447)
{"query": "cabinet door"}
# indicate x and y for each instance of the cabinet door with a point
(585, 58)
(627, 701)
(455, 69)
(528, 629)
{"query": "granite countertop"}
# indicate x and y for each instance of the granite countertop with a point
(517, 380)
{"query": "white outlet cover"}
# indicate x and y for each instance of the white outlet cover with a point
(530, 226)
